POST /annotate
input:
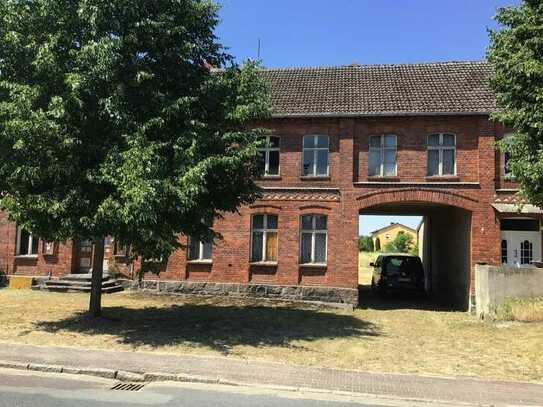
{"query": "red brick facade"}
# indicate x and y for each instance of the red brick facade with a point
(341, 196)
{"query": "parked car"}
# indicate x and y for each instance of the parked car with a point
(397, 272)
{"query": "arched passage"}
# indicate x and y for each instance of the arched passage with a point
(444, 237)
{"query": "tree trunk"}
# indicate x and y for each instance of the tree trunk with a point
(95, 305)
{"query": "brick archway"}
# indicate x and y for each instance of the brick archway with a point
(446, 237)
(416, 195)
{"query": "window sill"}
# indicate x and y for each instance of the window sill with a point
(200, 261)
(315, 178)
(442, 178)
(263, 263)
(313, 265)
(379, 178)
(269, 177)
(26, 256)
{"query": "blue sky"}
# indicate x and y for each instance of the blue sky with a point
(326, 32)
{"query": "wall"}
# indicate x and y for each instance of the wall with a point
(40, 265)
(342, 196)
(493, 285)
(450, 256)
(392, 231)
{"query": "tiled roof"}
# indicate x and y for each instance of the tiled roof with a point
(374, 90)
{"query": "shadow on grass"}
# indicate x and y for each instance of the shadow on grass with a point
(217, 327)
(401, 300)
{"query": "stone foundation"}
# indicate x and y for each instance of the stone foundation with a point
(332, 295)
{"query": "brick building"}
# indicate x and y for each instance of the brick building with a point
(349, 140)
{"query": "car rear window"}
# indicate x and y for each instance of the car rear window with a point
(408, 264)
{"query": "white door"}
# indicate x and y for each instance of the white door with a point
(520, 248)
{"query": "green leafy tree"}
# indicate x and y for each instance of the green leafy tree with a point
(402, 243)
(365, 244)
(113, 123)
(516, 52)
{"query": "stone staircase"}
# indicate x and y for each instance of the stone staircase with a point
(81, 283)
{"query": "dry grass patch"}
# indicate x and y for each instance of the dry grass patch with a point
(391, 336)
(524, 310)
(364, 269)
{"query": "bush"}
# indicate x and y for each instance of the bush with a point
(365, 244)
(402, 243)
(521, 309)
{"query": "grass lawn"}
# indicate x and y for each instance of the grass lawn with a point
(389, 336)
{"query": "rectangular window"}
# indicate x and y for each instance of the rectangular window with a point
(27, 244)
(269, 156)
(506, 156)
(119, 250)
(382, 156)
(199, 250)
(315, 156)
(313, 240)
(264, 241)
(441, 154)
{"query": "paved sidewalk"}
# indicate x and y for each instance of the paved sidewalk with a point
(463, 390)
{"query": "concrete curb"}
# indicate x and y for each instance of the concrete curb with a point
(149, 377)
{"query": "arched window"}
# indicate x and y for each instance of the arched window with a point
(441, 154)
(315, 158)
(526, 252)
(504, 251)
(264, 238)
(269, 156)
(314, 236)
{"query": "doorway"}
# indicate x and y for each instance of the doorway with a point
(520, 241)
(84, 255)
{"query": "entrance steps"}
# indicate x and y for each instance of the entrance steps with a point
(81, 283)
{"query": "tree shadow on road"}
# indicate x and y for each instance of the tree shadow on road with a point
(215, 326)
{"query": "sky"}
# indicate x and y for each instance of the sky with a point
(341, 32)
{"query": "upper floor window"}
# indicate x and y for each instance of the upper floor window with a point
(199, 250)
(269, 156)
(382, 155)
(315, 156)
(313, 239)
(506, 170)
(264, 238)
(441, 154)
(27, 243)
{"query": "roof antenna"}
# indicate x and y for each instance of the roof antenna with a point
(258, 50)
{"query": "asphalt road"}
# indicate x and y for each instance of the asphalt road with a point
(33, 389)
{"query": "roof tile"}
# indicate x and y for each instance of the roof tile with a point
(371, 90)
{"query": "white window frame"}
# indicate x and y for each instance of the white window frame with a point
(313, 231)
(382, 149)
(31, 238)
(264, 230)
(266, 150)
(315, 151)
(200, 258)
(441, 148)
